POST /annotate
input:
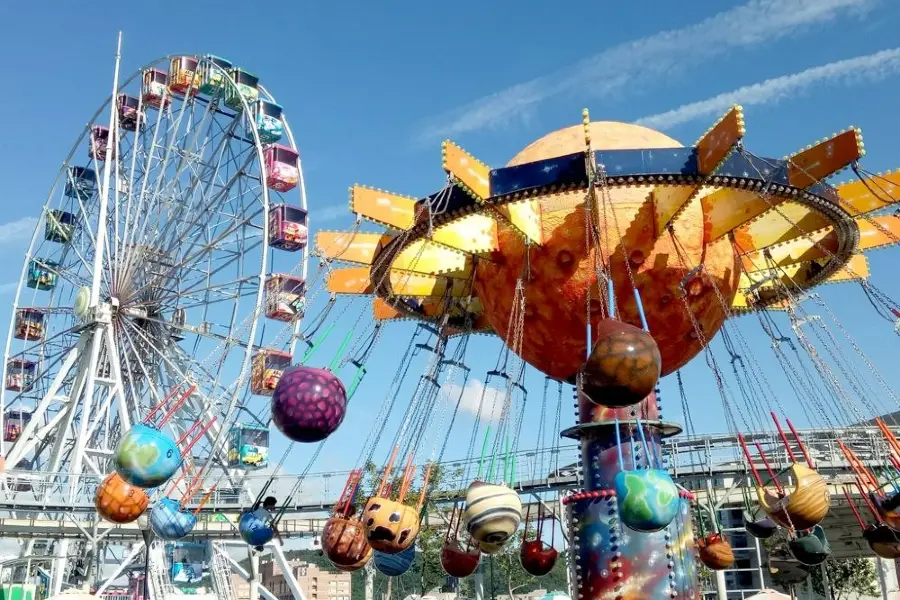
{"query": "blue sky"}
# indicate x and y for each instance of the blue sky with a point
(372, 88)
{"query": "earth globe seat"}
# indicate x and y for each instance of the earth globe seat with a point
(811, 549)
(715, 552)
(492, 512)
(761, 529)
(147, 457)
(537, 557)
(169, 522)
(344, 544)
(647, 499)
(391, 526)
(457, 561)
(308, 404)
(394, 565)
(255, 531)
(623, 367)
(119, 501)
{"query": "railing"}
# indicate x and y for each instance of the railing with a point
(692, 460)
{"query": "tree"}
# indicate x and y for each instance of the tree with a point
(846, 578)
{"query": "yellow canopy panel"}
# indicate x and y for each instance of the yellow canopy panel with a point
(815, 163)
(470, 174)
(713, 148)
(384, 208)
(355, 247)
(473, 234)
(525, 218)
(813, 246)
(792, 220)
(727, 209)
(860, 197)
(423, 256)
(404, 283)
(716, 144)
(354, 280)
(877, 232)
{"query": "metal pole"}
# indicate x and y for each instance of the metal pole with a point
(104, 190)
(881, 579)
(826, 583)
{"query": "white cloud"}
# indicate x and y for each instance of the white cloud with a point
(20, 230)
(9, 287)
(643, 60)
(850, 71)
(328, 213)
(489, 409)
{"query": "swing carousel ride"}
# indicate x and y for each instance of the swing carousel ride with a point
(166, 317)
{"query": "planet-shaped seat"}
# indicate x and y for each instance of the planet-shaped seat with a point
(623, 366)
(146, 457)
(647, 499)
(169, 522)
(255, 531)
(715, 552)
(811, 549)
(883, 541)
(394, 565)
(457, 561)
(492, 513)
(537, 557)
(119, 501)
(762, 529)
(344, 544)
(391, 526)
(489, 548)
(308, 404)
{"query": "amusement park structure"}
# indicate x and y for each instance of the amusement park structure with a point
(167, 317)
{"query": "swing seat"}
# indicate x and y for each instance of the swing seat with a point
(459, 562)
(489, 548)
(118, 501)
(882, 540)
(812, 549)
(761, 529)
(493, 512)
(146, 457)
(805, 507)
(647, 500)
(537, 557)
(255, 531)
(169, 522)
(883, 505)
(344, 544)
(623, 367)
(394, 565)
(391, 527)
(308, 404)
(715, 552)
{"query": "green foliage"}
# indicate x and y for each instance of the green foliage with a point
(846, 578)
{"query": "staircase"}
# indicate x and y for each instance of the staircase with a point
(221, 572)
(158, 581)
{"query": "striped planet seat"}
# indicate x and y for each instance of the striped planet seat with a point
(492, 513)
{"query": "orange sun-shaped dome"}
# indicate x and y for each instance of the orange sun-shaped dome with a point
(561, 272)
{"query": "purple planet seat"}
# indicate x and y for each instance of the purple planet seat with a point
(308, 404)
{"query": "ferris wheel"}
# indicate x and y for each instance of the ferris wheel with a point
(153, 271)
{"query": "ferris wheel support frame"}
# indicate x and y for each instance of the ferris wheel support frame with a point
(96, 336)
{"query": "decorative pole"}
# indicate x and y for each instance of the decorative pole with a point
(609, 560)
